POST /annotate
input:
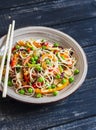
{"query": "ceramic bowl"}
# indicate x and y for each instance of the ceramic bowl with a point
(65, 40)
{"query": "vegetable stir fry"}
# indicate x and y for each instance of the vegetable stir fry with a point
(39, 68)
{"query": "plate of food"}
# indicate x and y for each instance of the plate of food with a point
(46, 65)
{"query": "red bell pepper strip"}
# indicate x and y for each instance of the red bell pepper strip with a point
(14, 61)
(28, 49)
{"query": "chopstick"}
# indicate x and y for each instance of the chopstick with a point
(5, 51)
(8, 42)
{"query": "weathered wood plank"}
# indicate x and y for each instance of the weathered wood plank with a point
(47, 14)
(44, 12)
(9, 4)
(90, 53)
(79, 105)
(82, 31)
(85, 124)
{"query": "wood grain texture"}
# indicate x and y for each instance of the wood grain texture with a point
(49, 14)
(78, 19)
(88, 124)
(17, 3)
(25, 116)
(82, 31)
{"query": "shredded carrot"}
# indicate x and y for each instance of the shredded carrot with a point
(37, 44)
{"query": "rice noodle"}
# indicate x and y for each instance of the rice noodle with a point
(40, 61)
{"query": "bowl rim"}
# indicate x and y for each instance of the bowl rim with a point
(75, 87)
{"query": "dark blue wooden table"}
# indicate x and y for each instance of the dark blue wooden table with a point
(78, 19)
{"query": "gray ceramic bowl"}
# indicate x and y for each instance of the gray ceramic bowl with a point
(65, 41)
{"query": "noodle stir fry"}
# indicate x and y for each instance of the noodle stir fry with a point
(39, 68)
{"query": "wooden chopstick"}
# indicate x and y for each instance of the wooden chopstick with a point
(5, 51)
(8, 60)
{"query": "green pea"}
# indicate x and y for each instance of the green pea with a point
(53, 86)
(71, 79)
(35, 58)
(38, 68)
(17, 47)
(21, 91)
(32, 59)
(30, 90)
(38, 95)
(40, 79)
(76, 71)
(55, 93)
(58, 76)
(63, 81)
(56, 44)
(33, 62)
(43, 47)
